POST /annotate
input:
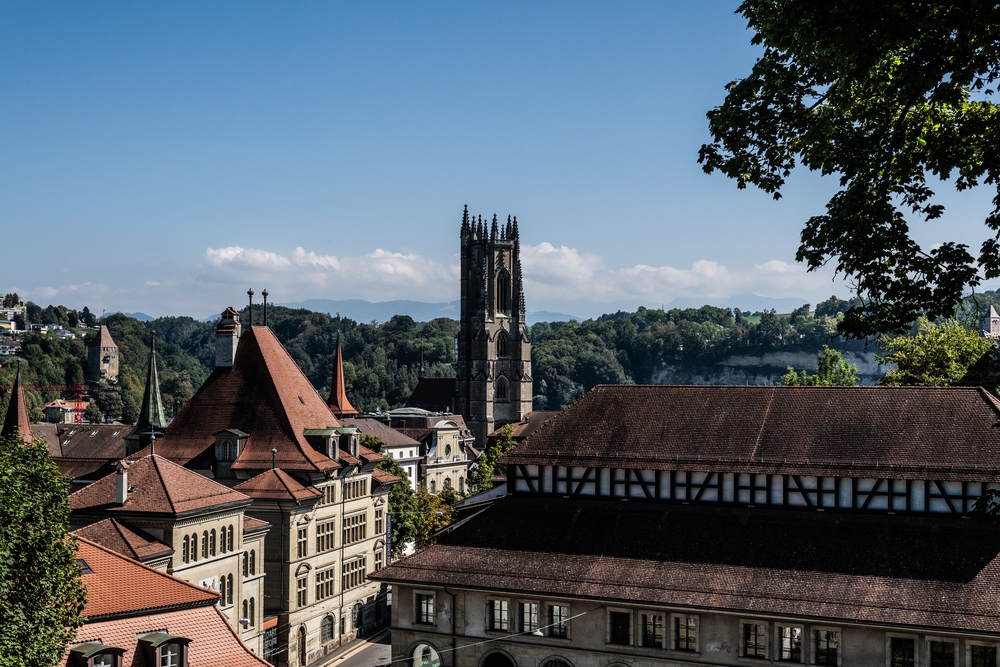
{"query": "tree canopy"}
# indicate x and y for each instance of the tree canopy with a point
(43, 596)
(942, 354)
(832, 370)
(488, 465)
(886, 96)
(402, 504)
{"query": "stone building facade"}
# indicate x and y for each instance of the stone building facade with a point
(102, 358)
(653, 526)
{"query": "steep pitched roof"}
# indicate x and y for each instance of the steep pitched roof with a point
(151, 419)
(161, 487)
(277, 485)
(434, 394)
(339, 405)
(120, 586)
(16, 421)
(938, 573)
(531, 423)
(903, 432)
(388, 435)
(103, 338)
(124, 539)
(264, 394)
(83, 441)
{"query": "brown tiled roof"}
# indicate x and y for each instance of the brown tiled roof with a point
(418, 434)
(531, 422)
(161, 487)
(902, 432)
(277, 485)
(938, 573)
(251, 524)
(103, 339)
(434, 394)
(389, 436)
(120, 586)
(16, 420)
(127, 540)
(264, 394)
(383, 477)
(84, 441)
(214, 642)
(339, 405)
(84, 469)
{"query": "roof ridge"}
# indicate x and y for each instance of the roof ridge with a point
(243, 645)
(159, 475)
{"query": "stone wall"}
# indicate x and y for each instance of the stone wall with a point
(764, 369)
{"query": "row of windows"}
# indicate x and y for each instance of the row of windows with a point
(355, 528)
(249, 563)
(353, 573)
(250, 612)
(325, 536)
(224, 538)
(356, 489)
(172, 654)
(226, 590)
(324, 584)
(447, 485)
(329, 494)
(528, 619)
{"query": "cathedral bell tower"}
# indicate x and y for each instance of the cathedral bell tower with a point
(494, 345)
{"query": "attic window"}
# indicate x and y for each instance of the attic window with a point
(93, 434)
(84, 568)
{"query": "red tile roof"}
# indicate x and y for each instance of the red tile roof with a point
(119, 586)
(264, 394)
(277, 485)
(921, 572)
(16, 420)
(103, 339)
(383, 477)
(251, 524)
(903, 432)
(127, 540)
(214, 643)
(161, 487)
(84, 441)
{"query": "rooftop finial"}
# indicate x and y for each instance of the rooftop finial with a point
(250, 318)
(465, 222)
(264, 294)
(274, 452)
(516, 236)
(493, 229)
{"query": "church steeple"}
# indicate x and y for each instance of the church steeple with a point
(339, 405)
(17, 422)
(152, 420)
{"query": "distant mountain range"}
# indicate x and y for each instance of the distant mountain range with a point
(360, 310)
(142, 317)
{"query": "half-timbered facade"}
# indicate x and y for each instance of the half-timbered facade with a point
(723, 526)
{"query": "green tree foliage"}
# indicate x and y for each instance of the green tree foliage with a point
(488, 464)
(940, 354)
(831, 371)
(402, 504)
(433, 514)
(887, 96)
(110, 405)
(93, 413)
(11, 300)
(40, 584)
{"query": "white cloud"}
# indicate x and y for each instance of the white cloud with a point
(152, 283)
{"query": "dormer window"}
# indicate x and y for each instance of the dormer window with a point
(95, 654)
(229, 444)
(164, 650)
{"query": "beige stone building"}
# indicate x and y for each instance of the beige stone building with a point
(102, 357)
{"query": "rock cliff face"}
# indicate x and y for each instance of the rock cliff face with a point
(765, 369)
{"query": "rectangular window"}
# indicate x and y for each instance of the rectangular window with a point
(685, 633)
(301, 592)
(353, 573)
(558, 621)
(302, 548)
(324, 584)
(942, 654)
(325, 533)
(329, 495)
(527, 612)
(425, 608)
(496, 613)
(620, 630)
(356, 489)
(378, 561)
(755, 640)
(355, 528)
(651, 630)
(791, 644)
(379, 521)
(827, 646)
(983, 656)
(902, 652)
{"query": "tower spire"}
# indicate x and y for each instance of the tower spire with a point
(339, 405)
(152, 420)
(17, 422)
(493, 229)
(465, 222)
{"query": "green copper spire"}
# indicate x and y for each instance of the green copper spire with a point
(152, 419)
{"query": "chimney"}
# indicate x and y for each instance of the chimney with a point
(227, 338)
(121, 484)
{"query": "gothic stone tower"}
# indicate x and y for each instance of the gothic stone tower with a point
(494, 347)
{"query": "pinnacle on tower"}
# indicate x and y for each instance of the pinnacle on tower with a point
(152, 420)
(479, 229)
(508, 232)
(516, 236)
(16, 422)
(493, 229)
(465, 222)
(339, 405)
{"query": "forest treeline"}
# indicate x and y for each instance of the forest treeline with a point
(382, 361)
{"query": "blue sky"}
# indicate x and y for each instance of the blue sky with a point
(164, 157)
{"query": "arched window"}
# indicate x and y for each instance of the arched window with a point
(497, 660)
(556, 662)
(246, 611)
(246, 565)
(211, 543)
(447, 483)
(229, 538)
(253, 613)
(326, 629)
(222, 591)
(253, 562)
(503, 293)
(433, 486)
(184, 552)
(204, 544)
(229, 591)
(302, 645)
(359, 615)
(502, 344)
(461, 485)
(500, 390)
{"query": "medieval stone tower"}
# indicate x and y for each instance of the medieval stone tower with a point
(494, 346)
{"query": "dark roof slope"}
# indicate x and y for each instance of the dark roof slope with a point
(388, 435)
(903, 432)
(83, 441)
(531, 423)
(866, 568)
(264, 394)
(161, 487)
(434, 394)
(127, 540)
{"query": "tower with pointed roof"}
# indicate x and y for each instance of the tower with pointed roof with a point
(102, 357)
(16, 422)
(152, 420)
(494, 344)
(338, 402)
(991, 324)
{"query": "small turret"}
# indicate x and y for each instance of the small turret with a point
(493, 229)
(465, 222)
(152, 420)
(16, 422)
(227, 338)
(340, 406)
